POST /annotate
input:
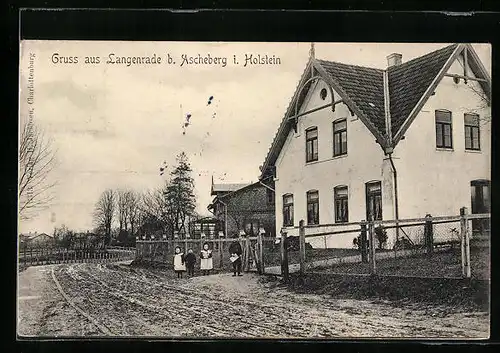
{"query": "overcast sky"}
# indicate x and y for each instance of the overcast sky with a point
(113, 126)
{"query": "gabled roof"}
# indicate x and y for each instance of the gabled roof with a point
(31, 236)
(226, 188)
(365, 87)
(408, 86)
(409, 81)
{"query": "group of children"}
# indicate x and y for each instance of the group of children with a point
(186, 262)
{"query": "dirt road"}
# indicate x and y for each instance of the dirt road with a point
(115, 300)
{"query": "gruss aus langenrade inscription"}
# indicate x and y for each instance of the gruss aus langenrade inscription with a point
(254, 190)
(155, 59)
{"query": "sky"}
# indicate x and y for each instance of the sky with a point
(114, 126)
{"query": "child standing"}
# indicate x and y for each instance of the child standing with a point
(235, 250)
(190, 261)
(179, 264)
(206, 262)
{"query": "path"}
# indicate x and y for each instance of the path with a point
(136, 302)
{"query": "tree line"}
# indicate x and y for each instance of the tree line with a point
(165, 210)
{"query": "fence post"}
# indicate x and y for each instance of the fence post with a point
(284, 256)
(363, 240)
(247, 254)
(260, 254)
(465, 244)
(371, 244)
(302, 247)
(221, 252)
(429, 236)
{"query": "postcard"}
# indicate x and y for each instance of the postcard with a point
(254, 190)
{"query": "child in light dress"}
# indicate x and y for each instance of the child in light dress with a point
(179, 264)
(206, 260)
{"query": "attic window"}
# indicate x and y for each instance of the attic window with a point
(323, 94)
(312, 144)
(443, 129)
(456, 80)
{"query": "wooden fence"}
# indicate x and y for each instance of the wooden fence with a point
(161, 251)
(38, 254)
(369, 254)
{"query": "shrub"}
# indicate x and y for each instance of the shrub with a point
(381, 235)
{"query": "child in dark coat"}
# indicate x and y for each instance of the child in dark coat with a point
(236, 251)
(190, 260)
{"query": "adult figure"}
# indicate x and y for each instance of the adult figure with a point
(235, 250)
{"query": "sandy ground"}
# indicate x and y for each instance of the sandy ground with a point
(120, 301)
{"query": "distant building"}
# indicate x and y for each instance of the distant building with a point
(249, 208)
(35, 238)
(206, 227)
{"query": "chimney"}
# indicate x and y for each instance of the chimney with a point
(394, 59)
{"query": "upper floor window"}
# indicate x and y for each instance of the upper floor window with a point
(471, 122)
(340, 137)
(270, 196)
(313, 207)
(341, 204)
(287, 210)
(312, 144)
(443, 129)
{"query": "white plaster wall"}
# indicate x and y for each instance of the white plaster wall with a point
(363, 163)
(437, 181)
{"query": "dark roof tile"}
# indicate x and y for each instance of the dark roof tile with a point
(409, 81)
(363, 85)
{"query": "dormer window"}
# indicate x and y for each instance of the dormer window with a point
(443, 129)
(312, 144)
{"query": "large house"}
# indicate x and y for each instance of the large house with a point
(359, 143)
(248, 208)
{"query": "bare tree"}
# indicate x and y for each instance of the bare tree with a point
(122, 208)
(133, 210)
(484, 101)
(154, 212)
(104, 212)
(36, 162)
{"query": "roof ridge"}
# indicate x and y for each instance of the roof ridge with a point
(341, 63)
(387, 68)
(423, 56)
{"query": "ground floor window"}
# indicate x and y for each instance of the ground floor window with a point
(480, 203)
(313, 207)
(252, 227)
(374, 201)
(288, 210)
(341, 204)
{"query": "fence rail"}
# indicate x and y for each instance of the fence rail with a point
(46, 255)
(428, 247)
(255, 249)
